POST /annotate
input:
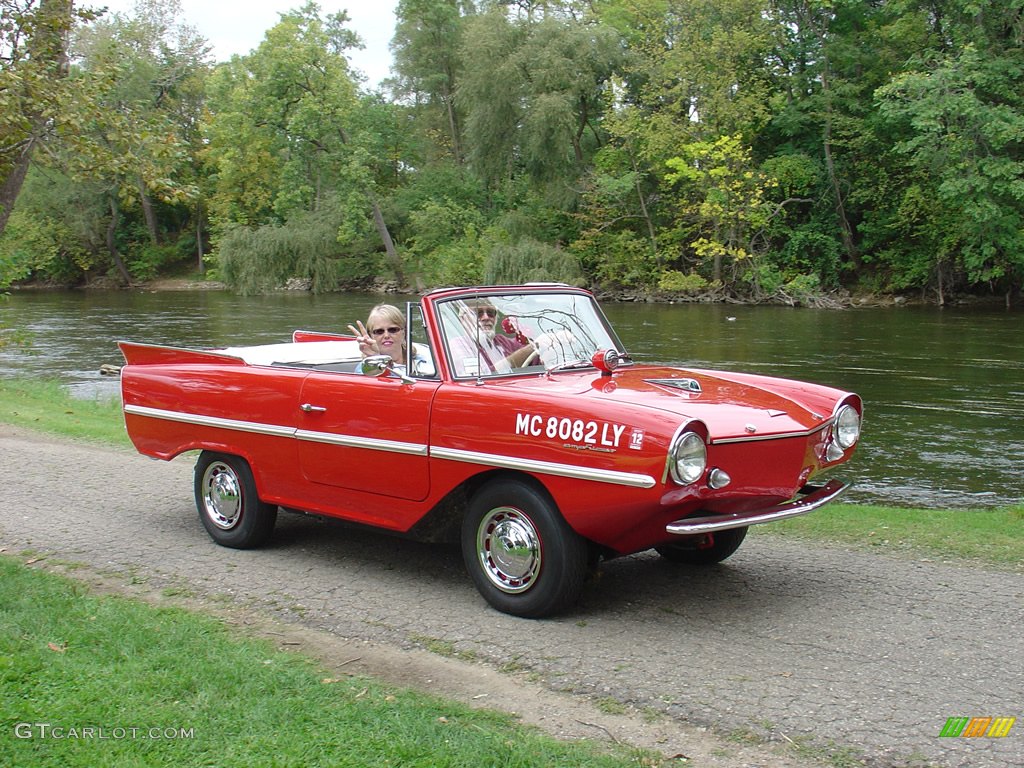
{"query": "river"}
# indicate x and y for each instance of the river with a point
(944, 423)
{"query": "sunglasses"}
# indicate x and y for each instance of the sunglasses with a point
(393, 330)
(487, 312)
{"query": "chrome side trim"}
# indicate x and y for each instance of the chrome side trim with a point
(373, 444)
(392, 446)
(211, 421)
(370, 443)
(545, 467)
(810, 498)
(778, 436)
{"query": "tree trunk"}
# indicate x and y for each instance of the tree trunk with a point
(147, 212)
(716, 268)
(651, 232)
(115, 217)
(845, 229)
(12, 184)
(199, 240)
(453, 123)
(382, 228)
(389, 244)
(837, 191)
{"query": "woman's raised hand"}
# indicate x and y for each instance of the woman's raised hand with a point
(367, 346)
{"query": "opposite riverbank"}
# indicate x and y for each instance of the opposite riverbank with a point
(831, 300)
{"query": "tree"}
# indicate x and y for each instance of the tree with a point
(725, 202)
(829, 57)
(33, 68)
(618, 241)
(963, 130)
(140, 107)
(56, 232)
(281, 135)
(428, 35)
(534, 96)
(694, 74)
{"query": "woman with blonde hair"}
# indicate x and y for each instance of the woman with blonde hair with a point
(384, 334)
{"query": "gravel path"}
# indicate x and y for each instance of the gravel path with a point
(852, 654)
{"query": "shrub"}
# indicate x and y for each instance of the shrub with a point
(459, 262)
(149, 260)
(40, 247)
(673, 281)
(531, 261)
(617, 259)
(262, 259)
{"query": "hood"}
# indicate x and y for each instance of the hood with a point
(733, 406)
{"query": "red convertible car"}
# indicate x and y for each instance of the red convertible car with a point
(520, 426)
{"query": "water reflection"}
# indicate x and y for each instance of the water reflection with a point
(943, 388)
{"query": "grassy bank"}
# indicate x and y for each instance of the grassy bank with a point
(46, 406)
(990, 536)
(90, 681)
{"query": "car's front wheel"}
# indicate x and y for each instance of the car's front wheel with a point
(228, 504)
(704, 549)
(521, 554)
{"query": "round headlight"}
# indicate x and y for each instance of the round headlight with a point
(847, 427)
(688, 459)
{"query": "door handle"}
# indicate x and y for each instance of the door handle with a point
(308, 408)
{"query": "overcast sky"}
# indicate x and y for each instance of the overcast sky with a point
(238, 26)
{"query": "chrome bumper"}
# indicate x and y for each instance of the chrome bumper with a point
(809, 499)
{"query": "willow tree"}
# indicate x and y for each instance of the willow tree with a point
(535, 95)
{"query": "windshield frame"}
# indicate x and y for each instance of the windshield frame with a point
(562, 326)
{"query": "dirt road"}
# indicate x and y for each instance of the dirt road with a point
(848, 653)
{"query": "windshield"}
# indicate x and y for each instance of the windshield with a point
(522, 333)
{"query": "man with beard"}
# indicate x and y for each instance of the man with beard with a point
(483, 350)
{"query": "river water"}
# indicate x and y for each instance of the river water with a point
(943, 388)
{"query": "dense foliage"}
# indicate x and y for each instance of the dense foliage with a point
(764, 150)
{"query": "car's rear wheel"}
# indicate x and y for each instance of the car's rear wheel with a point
(521, 554)
(228, 504)
(704, 549)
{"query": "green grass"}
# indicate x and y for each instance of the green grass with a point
(89, 669)
(47, 406)
(989, 536)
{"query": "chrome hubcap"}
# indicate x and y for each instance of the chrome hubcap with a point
(222, 496)
(509, 550)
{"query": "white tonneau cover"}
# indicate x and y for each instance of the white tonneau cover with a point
(300, 353)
